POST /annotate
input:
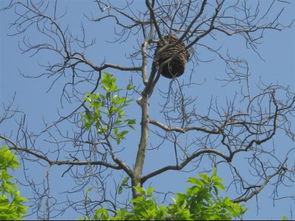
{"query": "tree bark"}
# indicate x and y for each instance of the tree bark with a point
(136, 181)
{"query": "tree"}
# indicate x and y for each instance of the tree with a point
(11, 202)
(93, 140)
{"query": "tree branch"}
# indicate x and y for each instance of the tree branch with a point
(183, 130)
(184, 163)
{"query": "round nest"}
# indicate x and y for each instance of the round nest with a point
(175, 67)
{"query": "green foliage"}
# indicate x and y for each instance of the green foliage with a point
(284, 218)
(201, 201)
(124, 184)
(11, 202)
(105, 111)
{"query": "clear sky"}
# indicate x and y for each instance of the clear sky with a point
(278, 66)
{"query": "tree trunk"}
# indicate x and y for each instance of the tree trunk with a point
(136, 181)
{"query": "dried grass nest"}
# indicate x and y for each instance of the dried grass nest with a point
(176, 66)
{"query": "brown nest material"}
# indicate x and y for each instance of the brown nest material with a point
(175, 67)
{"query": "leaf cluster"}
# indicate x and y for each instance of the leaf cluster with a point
(105, 111)
(201, 201)
(11, 202)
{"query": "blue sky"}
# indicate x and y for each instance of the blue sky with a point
(278, 66)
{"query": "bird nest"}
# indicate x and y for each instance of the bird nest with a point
(176, 55)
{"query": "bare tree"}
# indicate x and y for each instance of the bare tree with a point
(233, 136)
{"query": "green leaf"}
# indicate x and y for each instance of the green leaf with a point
(123, 133)
(88, 190)
(139, 189)
(101, 214)
(118, 100)
(205, 177)
(150, 190)
(121, 113)
(123, 184)
(130, 87)
(108, 83)
(7, 158)
(195, 181)
(130, 123)
(219, 186)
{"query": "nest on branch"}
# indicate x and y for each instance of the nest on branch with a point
(175, 53)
